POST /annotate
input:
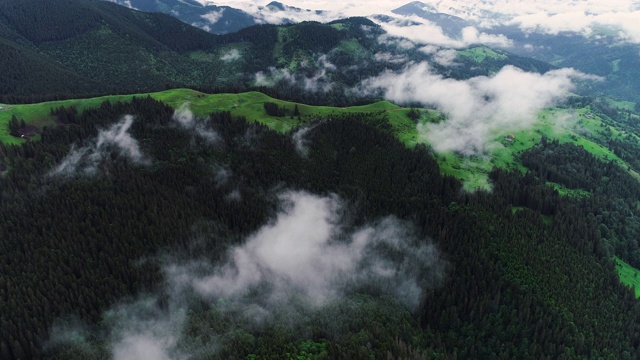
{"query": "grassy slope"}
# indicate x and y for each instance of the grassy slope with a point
(249, 105)
(629, 275)
(577, 126)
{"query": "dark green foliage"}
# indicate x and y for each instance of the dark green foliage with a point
(414, 114)
(79, 48)
(613, 204)
(535, 284)
(273, 109)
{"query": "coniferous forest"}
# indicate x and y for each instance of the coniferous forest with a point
(138, 230)
(79, 240)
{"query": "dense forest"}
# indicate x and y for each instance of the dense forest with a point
(88, 223)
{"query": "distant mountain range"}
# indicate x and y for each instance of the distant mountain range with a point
(72, 48)
(617, 62)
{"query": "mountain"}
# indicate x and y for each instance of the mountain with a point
(614, 60)
(451, 25)
(603, 55)
(96, 47)
(209, 17)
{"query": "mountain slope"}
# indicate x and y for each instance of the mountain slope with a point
(113, 49)
(209, 17)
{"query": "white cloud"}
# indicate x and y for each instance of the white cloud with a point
(390, 58)
(86, 160)
(429, 33)
(213, 16)
(544, 15)
(320, 81)
(445, 57)
(306, 252)
(479, 109)
(185, 118)
(231, 55)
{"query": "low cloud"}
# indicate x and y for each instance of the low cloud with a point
(231, 55)
(445, 57)
(425, 33)
(87, 159)
(301, 141)
(549, 16)
(286, 259)
(213, 16)
(390, 58)
(319, 81)
(143, 331)
(626, 23)
(184, 117)
(284, 273)
(480, 109)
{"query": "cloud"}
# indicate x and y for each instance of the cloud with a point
(582, 22)
(231, 55)
(445, 57)
(540, 15)
(87, 159)
(306, 252)
(213, 16)
(319, 81)
(300, 140)
(479, 109)
(142, 331)
(184, 117)
(390, 58)
(425, 32)
(283, 274)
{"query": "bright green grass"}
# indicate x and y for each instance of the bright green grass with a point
(622, 105)
(249, 105)
(576, 126)
(629, 275)
(565, 191)
(480, 53)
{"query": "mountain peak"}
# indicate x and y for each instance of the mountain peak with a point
(277, 5)
(415, 7)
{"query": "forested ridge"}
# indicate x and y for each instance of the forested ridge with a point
(538, 282)
(82, 48)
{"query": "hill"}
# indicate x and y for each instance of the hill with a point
(94, 196)
(112, 49)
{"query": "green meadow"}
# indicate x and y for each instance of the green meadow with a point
(629, 275)
(578, 126)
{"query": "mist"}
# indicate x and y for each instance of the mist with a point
(184, 117)
(87, 159)
(305, 258)
(319, 81)
(478, 110)
(284, 259)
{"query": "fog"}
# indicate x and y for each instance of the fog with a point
(284, 259)
(306, 257)
(480, 109)
(87, 159)
(550, 16)
(184, 117)
(231, 55)
(319, 81)
(425, 32)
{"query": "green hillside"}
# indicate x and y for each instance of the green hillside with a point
(77, 223)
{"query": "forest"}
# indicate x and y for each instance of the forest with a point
(95, 213)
